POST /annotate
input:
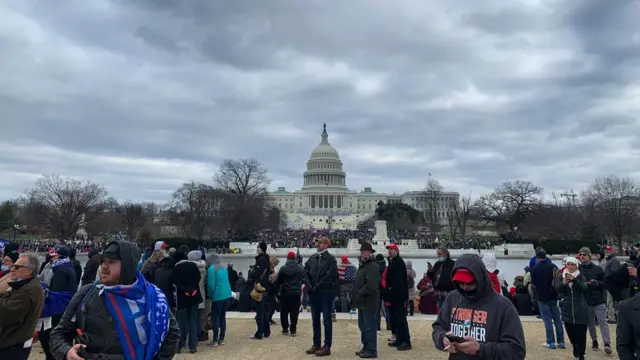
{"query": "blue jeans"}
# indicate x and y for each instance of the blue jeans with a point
(219, 319)
(189, 320)
(550, 312)
(367, 323)
(262, 318)
(321, 305)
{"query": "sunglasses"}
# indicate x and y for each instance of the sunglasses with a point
(583, 254)
(18, 267)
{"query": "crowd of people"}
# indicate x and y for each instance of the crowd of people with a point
(65, 306)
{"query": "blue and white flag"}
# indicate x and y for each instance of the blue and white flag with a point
(141, 313)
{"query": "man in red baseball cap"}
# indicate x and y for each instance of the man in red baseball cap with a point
(475, 320)
(290, 284)
(397, 293)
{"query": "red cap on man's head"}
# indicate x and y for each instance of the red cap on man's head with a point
(464, 276)
(345, 259)
(392, 247)
(609, 248)
(291, 255)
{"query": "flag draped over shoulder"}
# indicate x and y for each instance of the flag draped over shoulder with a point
(141, 313)
(55, 303)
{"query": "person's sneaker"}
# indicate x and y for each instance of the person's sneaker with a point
(549, 345)
(285, 332)
(607, 349)
(359, 352)
(214, 344)
(403, 347)
(594, 345)
(561, 346)
(323, 352)
(312, 350)
(253, 337)
(221, 342)
(293, 334)
(392, 338)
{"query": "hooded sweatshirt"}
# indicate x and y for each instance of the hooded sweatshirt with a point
(488, 317)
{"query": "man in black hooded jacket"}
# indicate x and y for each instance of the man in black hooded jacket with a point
(92, 324)
(487, 321)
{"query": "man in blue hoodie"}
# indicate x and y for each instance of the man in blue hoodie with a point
(487, 322)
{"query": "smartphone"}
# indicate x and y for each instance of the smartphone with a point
(455, 339)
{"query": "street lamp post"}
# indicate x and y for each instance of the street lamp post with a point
(15, 232)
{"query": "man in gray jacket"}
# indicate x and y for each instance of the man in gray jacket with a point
(366, 294)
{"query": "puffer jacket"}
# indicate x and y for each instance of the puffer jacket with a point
(290, 279)
(594, 275)
(573, 303)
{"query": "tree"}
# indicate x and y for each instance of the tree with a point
(458, 217)
(245, 182)
(7, 215)
(400, 216)
(617, 200)
(431, 205)
(104, 220)
(198, 205)
(133, 217)
(509, 205)
(64, 201)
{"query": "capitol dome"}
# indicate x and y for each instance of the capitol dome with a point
(324, 168)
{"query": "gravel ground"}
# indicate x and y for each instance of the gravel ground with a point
(346, 339)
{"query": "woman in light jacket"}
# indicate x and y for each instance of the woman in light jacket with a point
(219, 290)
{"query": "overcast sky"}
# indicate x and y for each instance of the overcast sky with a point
(143, 95)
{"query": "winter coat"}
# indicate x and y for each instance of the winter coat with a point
(573, 304)
(163, 280)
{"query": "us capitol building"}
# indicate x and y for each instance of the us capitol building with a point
(325, 201)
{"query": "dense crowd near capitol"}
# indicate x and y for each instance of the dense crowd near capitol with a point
(66, 307)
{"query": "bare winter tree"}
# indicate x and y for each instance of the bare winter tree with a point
(63, 201)
(133, 216)
(458, 218)
(509, 205)
(617, 200)
(431, 205)
(246, 183)
(103, 219)
(199, 205)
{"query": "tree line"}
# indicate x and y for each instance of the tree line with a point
(606, 210)
(231, 205)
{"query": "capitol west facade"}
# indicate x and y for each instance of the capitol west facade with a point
(325, 201)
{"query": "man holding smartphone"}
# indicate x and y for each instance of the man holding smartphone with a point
(476, 322)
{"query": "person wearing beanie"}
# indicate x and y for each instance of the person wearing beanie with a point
(260, 275)
(290, 284)
(62, 280)
(219, 291)
(571, 286)
(596, 300)
(187, 279)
